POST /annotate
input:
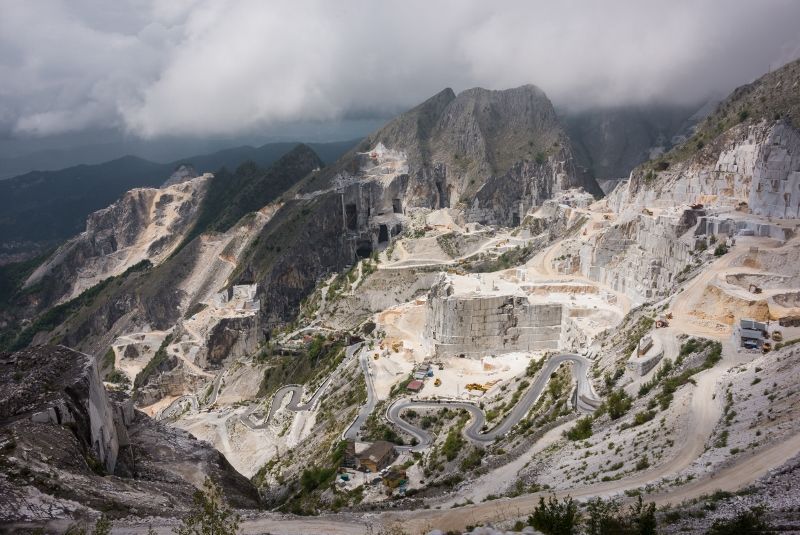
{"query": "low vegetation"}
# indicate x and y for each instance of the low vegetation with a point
(582, 429)
(600, 517)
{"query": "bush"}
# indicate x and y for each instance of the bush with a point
(720, 249)
(745, 523)
(472, 460)
(155, 363)
(643, 417)
(316, 477)
(452, 444)
(556, 518)
(608, 518)
(618, 404)
(582, 430)
(209, 514)
(643, 463)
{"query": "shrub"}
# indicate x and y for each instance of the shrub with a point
(472, 460)
(209, 514)
(608, 518)
(720, 249)
(582, 430)
(555, 517)
(315, 477)
(745, 523)
(452, 444)
(643, 463)
(643, 417)
(618, 404)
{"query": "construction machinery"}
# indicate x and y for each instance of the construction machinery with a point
(437, 382)
(766, 347)
(777, 336)
(662, 322)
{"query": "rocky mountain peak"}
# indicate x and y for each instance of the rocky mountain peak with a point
(183, 173)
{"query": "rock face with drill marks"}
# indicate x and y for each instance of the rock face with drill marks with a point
(758, 165)
(475, 325)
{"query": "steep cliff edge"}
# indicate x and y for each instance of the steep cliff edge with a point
(70, 450)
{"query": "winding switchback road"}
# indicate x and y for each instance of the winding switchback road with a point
(352, 432)
(584, 399)
(294, 404)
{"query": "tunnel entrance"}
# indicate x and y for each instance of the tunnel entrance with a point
(364, 249)
(397, 207)
(441, 194)
(383, 234)
(515, 219)
(351, 216)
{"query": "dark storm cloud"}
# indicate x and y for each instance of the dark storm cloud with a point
(223, 67)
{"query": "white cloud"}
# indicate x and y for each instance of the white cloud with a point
(222, 66)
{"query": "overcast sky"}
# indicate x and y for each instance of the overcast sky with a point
(210, 68)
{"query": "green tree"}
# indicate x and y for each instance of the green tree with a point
(555, 517)
(582, 429)
(210, 514)
(618, 403)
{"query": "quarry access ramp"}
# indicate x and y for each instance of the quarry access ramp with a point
(584, 399)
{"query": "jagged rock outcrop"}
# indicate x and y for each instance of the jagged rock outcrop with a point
(453, 147)
(183, 173)
(62, 435)
(58, 386)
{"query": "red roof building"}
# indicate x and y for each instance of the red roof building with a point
(415, 385)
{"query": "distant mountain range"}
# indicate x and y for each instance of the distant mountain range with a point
(43, 208)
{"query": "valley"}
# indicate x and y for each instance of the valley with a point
(447, 324)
